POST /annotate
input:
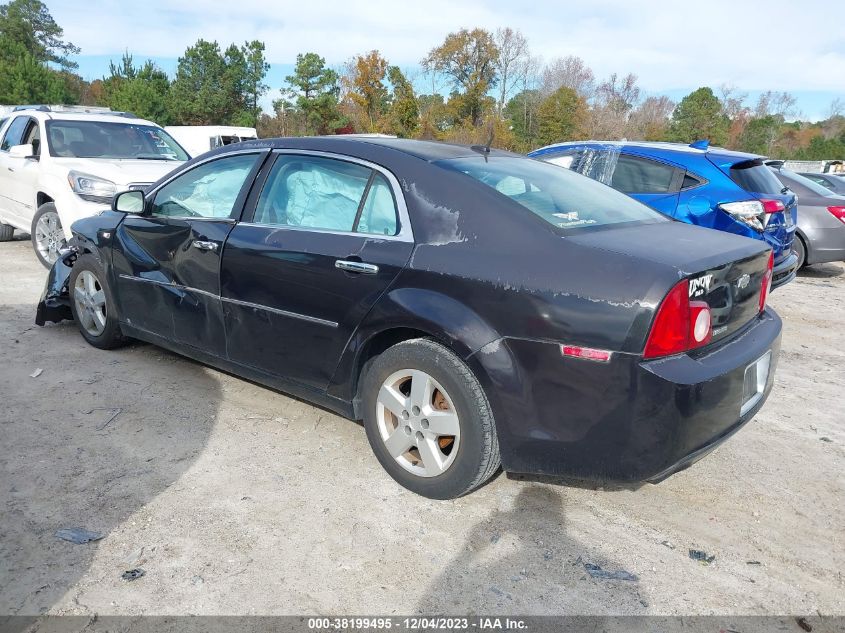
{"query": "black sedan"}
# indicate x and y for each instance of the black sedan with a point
(473, 307)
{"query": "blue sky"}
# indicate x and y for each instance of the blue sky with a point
(673, 48)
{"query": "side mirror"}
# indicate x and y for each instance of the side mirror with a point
(22, 151)
(128, 202)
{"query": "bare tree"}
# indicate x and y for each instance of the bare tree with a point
(568, 72)
(620, 94)
(612, 103)
(775, 104)
(513, 52)
(733, 101)
(837, 108)
(650, 119)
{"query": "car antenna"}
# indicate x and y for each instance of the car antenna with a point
(485, 149)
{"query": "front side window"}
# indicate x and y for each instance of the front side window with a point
(32, 136)
(638, 175)
(14, 133)
(98, 139)
(327, 194)
(207, 191)
(564, 199)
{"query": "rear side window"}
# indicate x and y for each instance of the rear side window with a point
(690, 181)
(638, 175)
(564, 199)
(755, 177)
(327, 194)
(14, 134)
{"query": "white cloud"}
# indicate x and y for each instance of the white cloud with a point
(776, 45)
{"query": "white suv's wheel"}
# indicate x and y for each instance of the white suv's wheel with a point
(47, 235)
(428, 420)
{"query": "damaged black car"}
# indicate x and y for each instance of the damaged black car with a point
(475, 308)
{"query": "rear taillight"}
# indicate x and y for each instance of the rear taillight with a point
(772, 206)
(838, 213)
(680, 324)
(750, 212)
(766, 285)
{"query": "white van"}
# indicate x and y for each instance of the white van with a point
(199, 139)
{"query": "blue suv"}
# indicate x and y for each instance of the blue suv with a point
(711, 187)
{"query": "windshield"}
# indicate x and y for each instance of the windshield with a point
(97, 139)
(564, 199)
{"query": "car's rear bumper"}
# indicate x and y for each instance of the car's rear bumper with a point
(626, 420)
(825, 244)
(785, 270)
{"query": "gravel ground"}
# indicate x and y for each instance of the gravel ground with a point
(235, 499)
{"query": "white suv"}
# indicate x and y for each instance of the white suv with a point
(86, 159)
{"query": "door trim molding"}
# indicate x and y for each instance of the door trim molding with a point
(245, 304)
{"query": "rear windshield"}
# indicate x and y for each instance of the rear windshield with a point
(790, 178)
(564, 199)
(755, 177)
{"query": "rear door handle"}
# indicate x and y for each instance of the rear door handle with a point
(205, 245)
(356, 267)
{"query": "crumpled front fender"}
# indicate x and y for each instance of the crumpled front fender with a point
(55, 300)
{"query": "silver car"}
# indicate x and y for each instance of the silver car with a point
(821, 219)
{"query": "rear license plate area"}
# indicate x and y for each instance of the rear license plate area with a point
(754, 382)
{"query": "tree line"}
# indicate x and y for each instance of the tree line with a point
(475, 85)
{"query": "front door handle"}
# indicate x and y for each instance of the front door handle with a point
(356, 267)
(205, 245)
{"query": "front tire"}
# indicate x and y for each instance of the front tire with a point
(47, 235)
(92, 304)
(428, 420)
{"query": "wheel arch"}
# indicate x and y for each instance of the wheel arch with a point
(406, 314)
(42, 198)
(800, 235)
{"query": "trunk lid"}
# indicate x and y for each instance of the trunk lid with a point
(724, 270)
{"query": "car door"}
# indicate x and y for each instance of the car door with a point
(325, 237)
(166, 261)
(26, 172)
(652, 182)
(10, 169)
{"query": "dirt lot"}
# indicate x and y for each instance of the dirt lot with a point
(238, 500)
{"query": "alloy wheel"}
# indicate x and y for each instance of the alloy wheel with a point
(49, 237)
(90, 300)
(418, 422)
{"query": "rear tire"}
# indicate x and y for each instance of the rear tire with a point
(800, 249)
(6, 232)
(428, 420)
(92, 304)
(47, 235)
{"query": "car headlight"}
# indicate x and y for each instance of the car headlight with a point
(91, 188)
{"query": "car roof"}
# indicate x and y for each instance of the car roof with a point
(83, 116)
(657, 148)
(426, 150)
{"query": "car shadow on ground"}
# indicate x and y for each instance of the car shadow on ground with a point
(822, 271)
(516, 558)
(87, 441)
